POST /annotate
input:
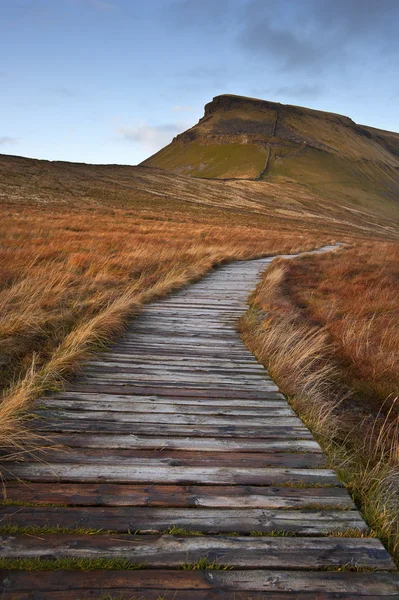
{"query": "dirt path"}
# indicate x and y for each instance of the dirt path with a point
(178, 444)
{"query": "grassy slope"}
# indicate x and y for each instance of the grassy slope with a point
(39, 182)
(329, 154)
(222, 161)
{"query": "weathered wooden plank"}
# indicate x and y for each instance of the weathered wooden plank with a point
(203, 444)
(229, 343)
(165, 389)
(167, 551)
(180, 351)
(349, 585)
(165, 378)
(159, 370)
(178, 419)
(108, 494)
(277, 409)
(175, 360)
(160, 429)
(230, 350)
(164, 457)
(129, 365)
(134, 366)
(269, 400)
(211, 521)
(168, 474)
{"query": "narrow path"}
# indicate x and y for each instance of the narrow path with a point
(265, 168)
(178, 446)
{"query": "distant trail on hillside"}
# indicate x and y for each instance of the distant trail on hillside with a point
(175, 468)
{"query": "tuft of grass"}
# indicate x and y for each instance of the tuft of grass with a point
(349, 567)
(353, 533)
(174, 530)
(69, 564)
(51, 530)
(11, 502)
(204, 564)
(273, 533)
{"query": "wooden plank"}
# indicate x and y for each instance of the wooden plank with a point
(179, 352)
(277, 409)
(296, 432)
(175, 370)
(132, 365)
(250, 361)
(159, 370)
(236, 347)
(269, 400)
(164, 457)
(108, 494)
(203, 444)
(129, 366)
(172, 418)
(183, 379)
(165, 389)
(236, 351)
(210, 521)
(167, 551)
(168, 474)
(366, 585)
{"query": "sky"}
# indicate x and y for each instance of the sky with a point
(113, 81)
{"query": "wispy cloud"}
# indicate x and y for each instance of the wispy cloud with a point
(151, 136)
(5, 139)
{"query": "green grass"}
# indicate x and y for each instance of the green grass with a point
(351, 567)
(11, 502)
(173, 530)
(50, 530)
(353, 533)
(211, 160)
(273, 533)
(69, 564)
(204, 564)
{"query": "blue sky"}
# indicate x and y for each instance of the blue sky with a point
(112, 81)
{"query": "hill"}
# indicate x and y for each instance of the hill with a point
(328, 154)
(282, 204)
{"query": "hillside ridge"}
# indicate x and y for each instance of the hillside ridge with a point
(254, 139)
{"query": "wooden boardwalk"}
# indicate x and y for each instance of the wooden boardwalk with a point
(178, 446)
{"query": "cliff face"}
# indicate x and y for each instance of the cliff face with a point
(247, 138)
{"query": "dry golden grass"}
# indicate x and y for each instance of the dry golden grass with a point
(70, 279)
(307, 323)
(355, 295)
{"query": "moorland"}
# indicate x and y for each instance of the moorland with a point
(84, 247)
